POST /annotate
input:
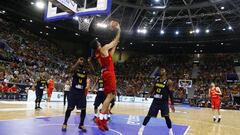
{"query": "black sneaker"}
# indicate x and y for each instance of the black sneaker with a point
(219, 120)
(64, 127)
(94, 119)
(214, 119)
(39, 107)
(36, 107)
(82, 128)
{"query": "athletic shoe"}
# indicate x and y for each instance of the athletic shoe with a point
(105, 125)
(64, 127)
(140, 132)
(219, 120)
(100, 124)
(36, 108)
(82, 128)
(214, 119)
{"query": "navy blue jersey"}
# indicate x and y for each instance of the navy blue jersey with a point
(79, 81)
(161, 91)
(41, 84)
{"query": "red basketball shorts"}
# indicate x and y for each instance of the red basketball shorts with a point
(109, 81)
(215, 103)
(50, 90)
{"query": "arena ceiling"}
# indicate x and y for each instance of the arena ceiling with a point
(195, 26)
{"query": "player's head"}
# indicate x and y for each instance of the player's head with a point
(81, 61)
(212, 84)
(95, 44)
(163, 72)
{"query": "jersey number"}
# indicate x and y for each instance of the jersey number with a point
(158, 90)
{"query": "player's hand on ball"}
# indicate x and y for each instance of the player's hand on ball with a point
(114, 25)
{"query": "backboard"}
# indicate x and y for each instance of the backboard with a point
(67, 9)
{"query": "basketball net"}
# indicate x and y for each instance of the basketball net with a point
(84, 23)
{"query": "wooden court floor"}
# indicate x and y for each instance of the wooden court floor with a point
(199, 119)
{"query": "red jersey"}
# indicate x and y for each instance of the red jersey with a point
(213, 93)
(50, 84)
(107, 63)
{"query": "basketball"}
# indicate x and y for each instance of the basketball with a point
(113, 25)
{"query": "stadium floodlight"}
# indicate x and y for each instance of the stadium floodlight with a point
(152, 44)
(230, 27)
(207, 30)
(40, 4)
(222, 8)
(197, 31)
(162, 32)
(143, 31)
(223, 29)
(102, 25)
(177, 32)
(75, 18)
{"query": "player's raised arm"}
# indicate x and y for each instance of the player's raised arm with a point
(112, 45)
(75, 66)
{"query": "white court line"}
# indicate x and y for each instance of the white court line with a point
(16, 102)
(84, 125)
(14, 109)
(186, 130)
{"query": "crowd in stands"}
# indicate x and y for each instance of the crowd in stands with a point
(24, 55)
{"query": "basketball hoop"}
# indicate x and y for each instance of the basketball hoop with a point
(84, 23)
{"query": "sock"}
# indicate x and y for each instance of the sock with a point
(219, 116)
(105, 116)
(142, 127)
(109, 116)
(214, 117)
(101, 116)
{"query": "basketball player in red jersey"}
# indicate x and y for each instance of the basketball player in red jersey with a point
(214, 94)
(50, 88)
(104, 55)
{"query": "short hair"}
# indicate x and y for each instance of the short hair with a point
(94, 44)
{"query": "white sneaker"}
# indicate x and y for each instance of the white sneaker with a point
(170, 132)
(140, 132)
(78, 111)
